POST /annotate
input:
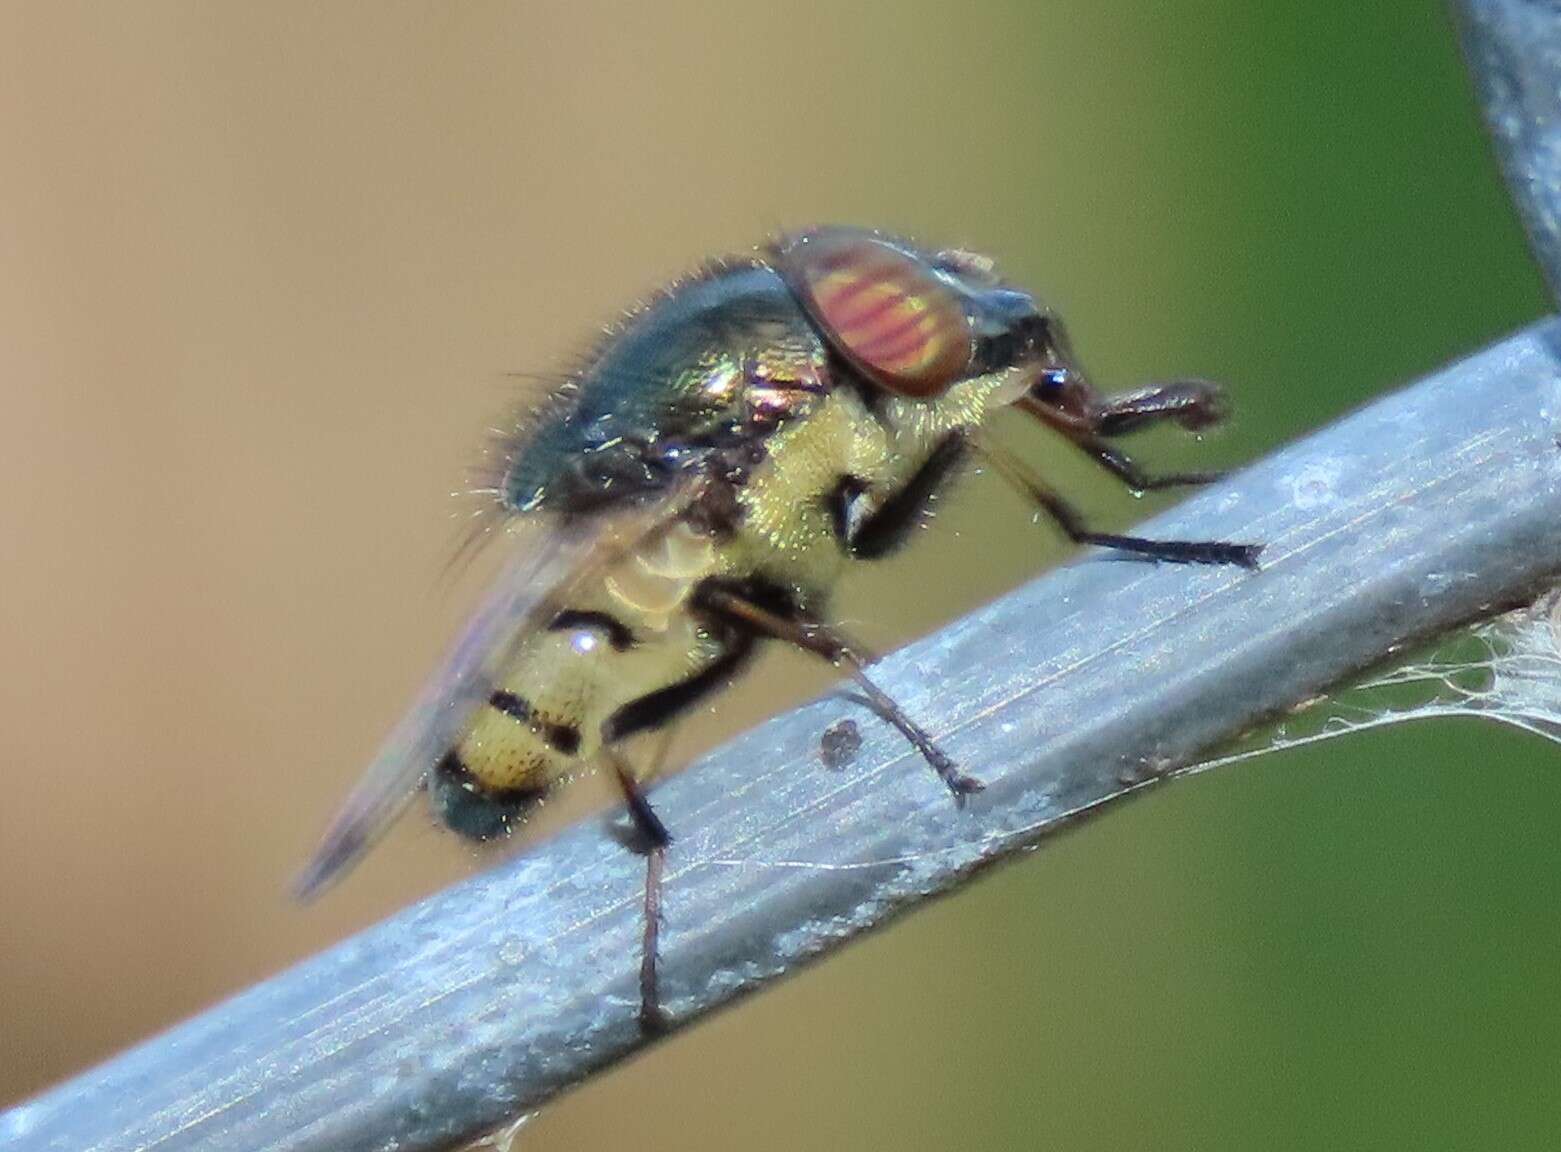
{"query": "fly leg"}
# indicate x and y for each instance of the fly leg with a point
(823, 640)
(1088, 432)
(1068, 518)
(654, 839)
(1192, 404)
(1065, 400)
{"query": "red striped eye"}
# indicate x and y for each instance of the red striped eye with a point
(883, 309)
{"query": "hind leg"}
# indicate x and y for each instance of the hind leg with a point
(653, 839)
(823, 640)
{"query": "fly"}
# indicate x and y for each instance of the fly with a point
(700, 485)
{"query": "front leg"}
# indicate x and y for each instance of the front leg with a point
(1063, 399)
(1087, 434)
(1191, 404)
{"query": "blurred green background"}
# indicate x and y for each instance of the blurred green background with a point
(262, 273)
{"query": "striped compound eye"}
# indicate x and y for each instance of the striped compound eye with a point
(883, 309)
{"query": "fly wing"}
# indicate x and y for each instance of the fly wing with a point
(545, 563)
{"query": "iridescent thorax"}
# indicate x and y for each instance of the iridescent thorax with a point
(713, 359)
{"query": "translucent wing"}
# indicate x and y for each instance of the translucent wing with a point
(546, 561)
(886, 311)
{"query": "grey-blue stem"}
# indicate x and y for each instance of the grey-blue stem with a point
(1431, 507)
(1513, 48)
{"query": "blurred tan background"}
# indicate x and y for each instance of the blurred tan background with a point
(263, 272)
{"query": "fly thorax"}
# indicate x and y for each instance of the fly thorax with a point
(918, 426)
(786, 529)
